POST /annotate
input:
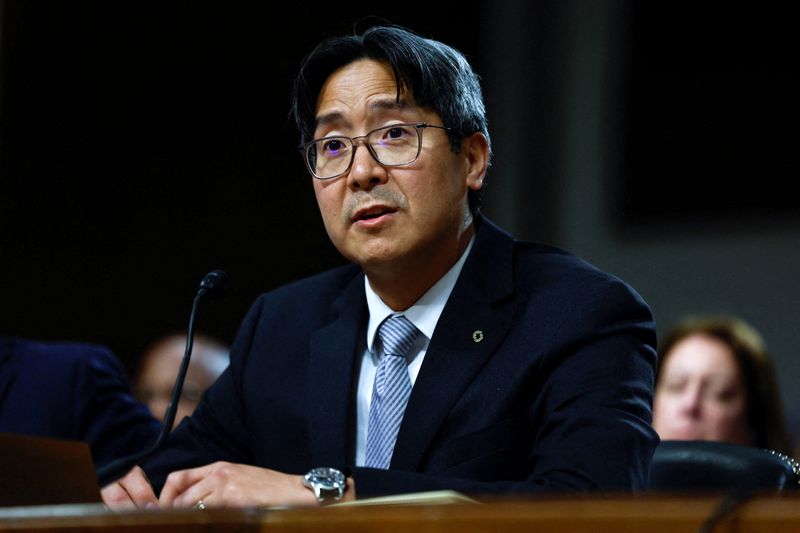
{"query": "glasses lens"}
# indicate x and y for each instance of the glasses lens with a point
(397, 144)
(329, 157)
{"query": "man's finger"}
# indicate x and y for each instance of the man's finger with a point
(138, 487)
(132, 490)
(202, 491)
(115, 497)
(179, 482)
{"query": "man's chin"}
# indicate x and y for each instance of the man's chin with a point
(376, 262)
(371, 251)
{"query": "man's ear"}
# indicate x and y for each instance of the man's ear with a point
(476, 149)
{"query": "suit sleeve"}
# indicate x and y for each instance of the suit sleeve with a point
(592, 415)
(109, 418)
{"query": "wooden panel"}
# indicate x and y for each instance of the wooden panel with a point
(559, 515)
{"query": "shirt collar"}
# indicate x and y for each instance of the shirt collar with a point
(425, 312)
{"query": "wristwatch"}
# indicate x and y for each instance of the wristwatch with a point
(328, 484)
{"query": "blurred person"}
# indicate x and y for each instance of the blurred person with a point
(159, 368)
(715, 381)
(72, 391)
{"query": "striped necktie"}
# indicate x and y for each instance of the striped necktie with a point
(391, 390)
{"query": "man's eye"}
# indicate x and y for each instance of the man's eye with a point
(397, 132)
(333, 147)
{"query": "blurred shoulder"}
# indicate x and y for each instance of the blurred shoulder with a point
(56, 355)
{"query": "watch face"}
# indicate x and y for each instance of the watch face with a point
(327, 483)
(326, 477)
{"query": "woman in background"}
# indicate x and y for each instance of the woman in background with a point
(715, 381)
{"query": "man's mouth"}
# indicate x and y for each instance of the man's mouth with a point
(373, 212)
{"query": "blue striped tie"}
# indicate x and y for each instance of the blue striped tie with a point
(391, 391)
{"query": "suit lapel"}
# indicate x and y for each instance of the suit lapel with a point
(333, 356)
(475, 320)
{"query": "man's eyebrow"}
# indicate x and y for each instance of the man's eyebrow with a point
(389, 104)
(327, 118)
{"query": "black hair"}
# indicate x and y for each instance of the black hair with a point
(435, 74)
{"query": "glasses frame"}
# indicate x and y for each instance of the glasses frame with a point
(362, 139)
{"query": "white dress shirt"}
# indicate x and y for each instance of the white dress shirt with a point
(424, 314)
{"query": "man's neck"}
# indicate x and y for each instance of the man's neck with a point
(404, 283)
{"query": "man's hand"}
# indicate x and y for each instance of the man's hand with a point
(224, 484)
(130, 492)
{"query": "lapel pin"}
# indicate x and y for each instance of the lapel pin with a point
(477, 335)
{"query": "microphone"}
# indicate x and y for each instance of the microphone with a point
(212, 283)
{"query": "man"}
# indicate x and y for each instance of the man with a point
(72, 391)
(448, 355)
(159, 368)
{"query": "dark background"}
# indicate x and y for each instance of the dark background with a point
(146, 143)
(711, 115)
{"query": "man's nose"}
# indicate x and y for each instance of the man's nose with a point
(365, 172)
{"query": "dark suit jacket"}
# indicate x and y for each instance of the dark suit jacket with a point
(71, 391)
(554, 393)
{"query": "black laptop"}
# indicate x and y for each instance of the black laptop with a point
(45, 471)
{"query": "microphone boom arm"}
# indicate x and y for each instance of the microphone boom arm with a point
(212, 282)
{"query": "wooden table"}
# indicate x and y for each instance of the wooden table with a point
(669, 514)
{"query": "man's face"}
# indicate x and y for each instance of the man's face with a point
(392, 217)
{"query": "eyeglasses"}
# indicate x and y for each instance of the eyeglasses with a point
(391, 146)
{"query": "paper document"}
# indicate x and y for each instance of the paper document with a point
(414, 498)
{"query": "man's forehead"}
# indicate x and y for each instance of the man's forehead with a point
(366, 84)
(376, 106)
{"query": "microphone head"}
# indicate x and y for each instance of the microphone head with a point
(214, 282)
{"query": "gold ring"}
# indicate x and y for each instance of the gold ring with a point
(200, 505)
